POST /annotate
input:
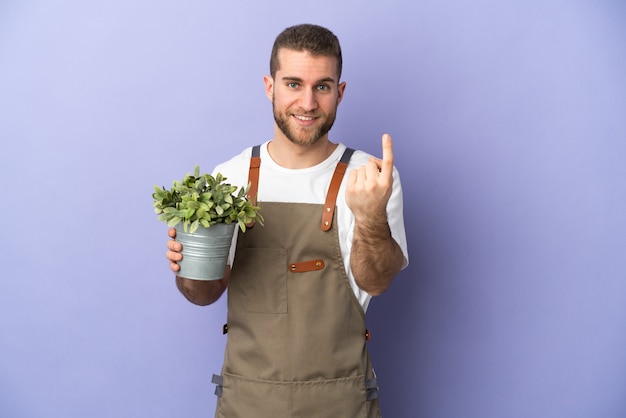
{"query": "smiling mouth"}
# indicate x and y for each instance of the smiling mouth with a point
(304, 118)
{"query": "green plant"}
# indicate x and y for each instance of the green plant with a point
(204, 200)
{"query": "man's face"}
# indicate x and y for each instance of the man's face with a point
(305, 93)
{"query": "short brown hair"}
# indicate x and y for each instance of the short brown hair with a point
(314, 39)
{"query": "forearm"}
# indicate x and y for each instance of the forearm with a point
(375, 257)
(202, 292)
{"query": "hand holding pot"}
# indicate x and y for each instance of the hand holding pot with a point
(200, 292)
(174, 248)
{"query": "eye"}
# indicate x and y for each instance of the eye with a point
(323, 87)
(293, 85)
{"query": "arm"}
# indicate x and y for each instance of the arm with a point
(199, 292)
(375, 257)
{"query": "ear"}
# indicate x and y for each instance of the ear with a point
(341, 87)
(269, 86)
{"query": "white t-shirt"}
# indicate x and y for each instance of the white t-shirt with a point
(310, 185)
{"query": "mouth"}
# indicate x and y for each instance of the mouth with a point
(304, 120)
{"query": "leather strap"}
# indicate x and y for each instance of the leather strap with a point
(253, 174)
(333, 190)
(304, 266)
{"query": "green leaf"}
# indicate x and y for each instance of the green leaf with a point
(202, 199)
(174, 221)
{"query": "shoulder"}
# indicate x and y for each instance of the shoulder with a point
(360, 158)
(243, 158)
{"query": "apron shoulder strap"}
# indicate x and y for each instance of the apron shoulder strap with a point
(253, 174)
(331, 195)
(333, 190)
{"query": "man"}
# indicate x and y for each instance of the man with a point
(299, 285)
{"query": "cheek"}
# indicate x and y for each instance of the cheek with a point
(278, 104)
(281, 101)
(330, 104)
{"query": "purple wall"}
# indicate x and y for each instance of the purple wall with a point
(509, 129)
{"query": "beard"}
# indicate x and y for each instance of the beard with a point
(303, 136)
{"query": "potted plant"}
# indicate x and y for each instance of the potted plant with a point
(205, 211)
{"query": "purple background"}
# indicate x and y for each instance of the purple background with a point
(509, 128)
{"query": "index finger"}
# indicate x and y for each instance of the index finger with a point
(387, 163)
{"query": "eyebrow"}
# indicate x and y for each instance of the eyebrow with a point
(299, 80)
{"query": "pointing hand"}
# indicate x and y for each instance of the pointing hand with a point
(369, 186)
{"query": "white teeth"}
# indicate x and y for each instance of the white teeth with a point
(304, 118)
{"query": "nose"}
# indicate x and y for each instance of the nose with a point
(308, 100)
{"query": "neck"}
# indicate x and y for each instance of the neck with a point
(294, 156)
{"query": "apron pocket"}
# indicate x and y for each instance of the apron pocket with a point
(259, 280)
(250, 398)
(244, 397)
(330, 398)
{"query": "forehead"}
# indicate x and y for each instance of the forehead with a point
(304, 65)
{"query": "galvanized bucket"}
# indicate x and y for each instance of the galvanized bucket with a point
(205, 252)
